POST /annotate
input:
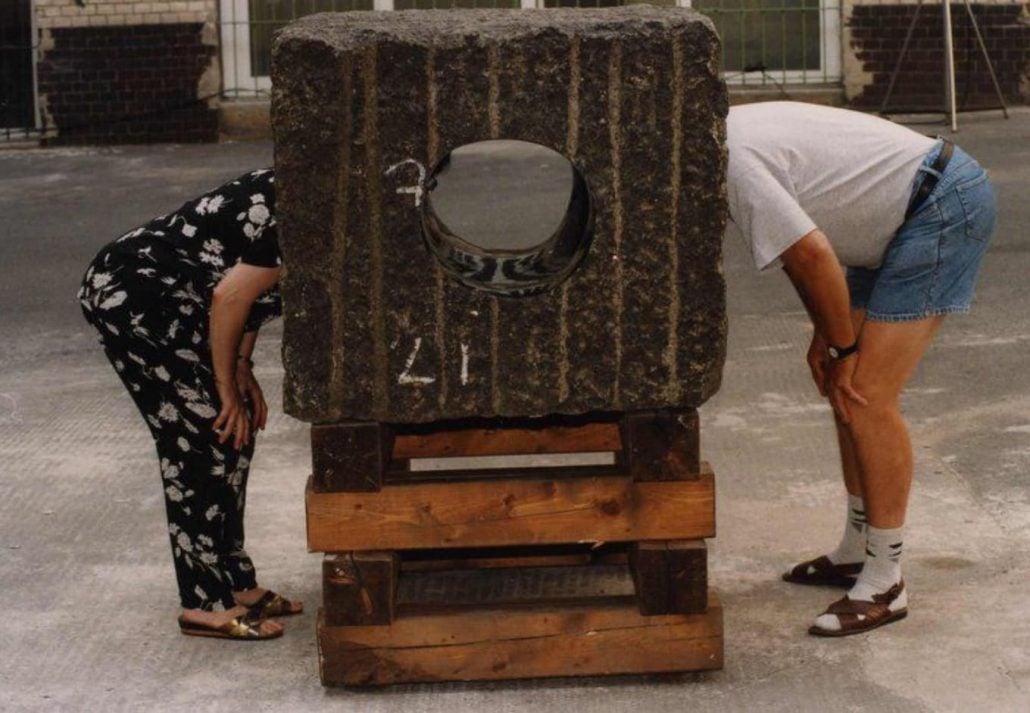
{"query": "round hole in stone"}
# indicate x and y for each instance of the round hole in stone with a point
(510, 217)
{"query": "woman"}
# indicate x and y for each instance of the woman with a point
(178, 303)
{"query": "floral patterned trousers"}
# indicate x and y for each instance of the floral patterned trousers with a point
(156, 340)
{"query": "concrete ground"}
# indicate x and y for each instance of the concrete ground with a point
(86, 588)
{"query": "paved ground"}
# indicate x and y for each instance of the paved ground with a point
(86, 585)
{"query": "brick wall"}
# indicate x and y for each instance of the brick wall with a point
(93, 13)
(128, 71)
(875, 34)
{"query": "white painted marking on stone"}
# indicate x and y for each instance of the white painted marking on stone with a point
(464, 364)
(406, 377)
(1018, 429)
(417, 190)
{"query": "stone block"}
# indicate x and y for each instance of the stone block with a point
(366, 103)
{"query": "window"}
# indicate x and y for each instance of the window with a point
(777, 40)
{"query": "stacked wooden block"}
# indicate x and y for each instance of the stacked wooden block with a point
(385, 526)
(470, 572)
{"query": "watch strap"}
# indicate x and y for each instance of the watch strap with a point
(837, 353)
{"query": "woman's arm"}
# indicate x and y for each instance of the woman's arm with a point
(230, 305)
(247, 342)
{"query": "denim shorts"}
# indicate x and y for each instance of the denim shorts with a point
(931, 263)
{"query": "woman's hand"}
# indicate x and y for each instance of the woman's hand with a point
(818, 362)
(233, 421)
(252, 394)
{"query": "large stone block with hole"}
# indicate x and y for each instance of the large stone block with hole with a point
(378, 327)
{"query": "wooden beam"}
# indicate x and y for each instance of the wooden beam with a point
(509, 512)
(512, 557)
(350, 457)
(591, 437)
(520, 642)
(662, 445)
(360, 587)
(670, 577)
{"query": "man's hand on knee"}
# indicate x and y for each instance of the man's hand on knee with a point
(842, 393)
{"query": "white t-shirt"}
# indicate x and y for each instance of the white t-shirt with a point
(794, 167)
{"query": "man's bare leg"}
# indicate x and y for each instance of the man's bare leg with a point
(889, 353)
(851, 548)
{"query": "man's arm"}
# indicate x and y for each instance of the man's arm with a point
(817, 276)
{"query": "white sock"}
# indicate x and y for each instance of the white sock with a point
(852, 543)
(880, 572)
(882, 568)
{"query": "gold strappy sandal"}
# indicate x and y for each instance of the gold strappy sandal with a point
(242, 628)
(271, 605)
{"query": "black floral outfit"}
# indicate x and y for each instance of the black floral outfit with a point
(148, 293)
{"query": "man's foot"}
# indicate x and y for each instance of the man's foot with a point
(265, 603)
(229, 624)
(822, 571)
(849, 616)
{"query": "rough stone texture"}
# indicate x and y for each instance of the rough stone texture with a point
(373, 328)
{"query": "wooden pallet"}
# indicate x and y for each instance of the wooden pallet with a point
(468, 574)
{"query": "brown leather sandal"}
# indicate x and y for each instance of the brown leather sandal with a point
(272, 605)
(821, 571)
(241, 628)
(857, 616)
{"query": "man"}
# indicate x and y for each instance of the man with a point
(882, 231)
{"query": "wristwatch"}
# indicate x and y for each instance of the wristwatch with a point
(837, 353)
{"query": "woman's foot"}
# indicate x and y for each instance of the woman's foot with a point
(269, 603)
(196, 621)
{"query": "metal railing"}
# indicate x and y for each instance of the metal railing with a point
(777, 41)
(19, 118)
(764, 41)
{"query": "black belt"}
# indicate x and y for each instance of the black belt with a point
(930, 179)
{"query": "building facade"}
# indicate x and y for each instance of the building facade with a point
(124, 71)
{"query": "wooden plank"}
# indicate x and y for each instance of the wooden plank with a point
(662, 445)
(348, 457)
(670, 577)
(451, 476)
(511, 512)
(508, 643)
(421, 592)
(511, 557)
(510, 441)
(360, 587)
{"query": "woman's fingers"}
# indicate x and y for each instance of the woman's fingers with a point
(222, 418)
(258, 405)
(242, 429)
(260, 408)
(223, 424)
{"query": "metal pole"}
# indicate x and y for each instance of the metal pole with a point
(987, 59)
(901, 58)
(949, 67)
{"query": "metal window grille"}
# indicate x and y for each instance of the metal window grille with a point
(764, 41)
(19, 118)
(777, 41)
